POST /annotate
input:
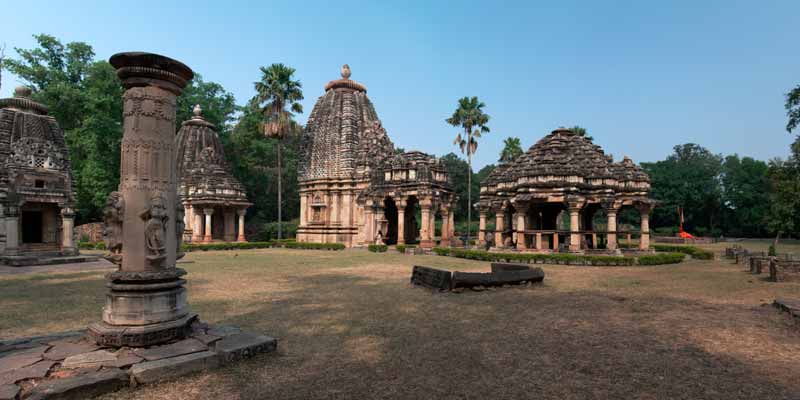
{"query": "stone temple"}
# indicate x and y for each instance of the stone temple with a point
(214, 201)
(355, 188)
(549, 198)
(36, 191)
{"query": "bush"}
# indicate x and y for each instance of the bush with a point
(772, 252)
(529, 258)
(661, 258)
(695, 252)
(378, 248)
(401, 248)
(188, 247)
(269, 231)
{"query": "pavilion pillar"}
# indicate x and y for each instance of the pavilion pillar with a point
(555, 241)
(538, 240)
(401, 221)
(230, 225)
(197, 229)
(451, 224)
(482, 228)
(521, 217)
(146, 301)
(432, 228)
(644, 238)
(303, 206)
(425, 230)
(241, 212)
(445, 239)
(611, 237)
(369, 221)
(208, 212)
(12, 230)
(499, 218)
(574, 208)
(68, 232)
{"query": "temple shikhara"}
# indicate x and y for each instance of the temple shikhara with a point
(355, 188)
(549, 198)
(36, 191)
(214, 201)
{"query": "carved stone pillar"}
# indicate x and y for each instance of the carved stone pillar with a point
(208, 229)
(451, 224)
(369, 221)
(538, 240)
(482, 228)
(425, 229)
(445, 239)
(303, 212)
(146, 303)
(242, 212)
(401, 221)
(68, 232)
(12, 230)
(521, 218)
(611, 237)
(230, 225)
(644, 212)
(499, 219)
(574, 207)
(197, 229)
(432, 228)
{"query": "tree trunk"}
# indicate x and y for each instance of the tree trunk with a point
(280, 200)
(469, 191)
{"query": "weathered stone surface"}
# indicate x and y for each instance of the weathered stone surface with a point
(206, 339)
(67, 347)
(504, 267)
(88, 360)
(223, 330)
(37, 370)
(244, 345)
(124, 358)
(84, 386)
(21, 358)
(169, 368)
(9, 392)
(186, 346)
(431, 277)
(471, 279)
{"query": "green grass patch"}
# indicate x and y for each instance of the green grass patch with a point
(378, 248)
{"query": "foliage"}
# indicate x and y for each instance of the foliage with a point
(695, 252)
(688, 178)
(401, 248)
(772, 251)
(582, 132)
(378, 248)
(269, 230)
(661, 258)
(556, 258)
(188, 247)
(792, 106)
(219, 105)
(512, 148)
(457, 170)
(746, 196)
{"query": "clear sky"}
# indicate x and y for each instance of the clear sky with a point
(641, 76)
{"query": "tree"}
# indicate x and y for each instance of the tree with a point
(2, 57)
(688, 178)
(746, 189)
(276, 91)
(792, 106)
(582, 132)
(511, 150)
(469, 115)
(219, 105)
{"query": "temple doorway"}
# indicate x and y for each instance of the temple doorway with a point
(32, 227)
(390, 213)
(40, 224)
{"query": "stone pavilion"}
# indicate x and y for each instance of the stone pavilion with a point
(214, 201)
(36, 191)
(355, 188)
(550, 198)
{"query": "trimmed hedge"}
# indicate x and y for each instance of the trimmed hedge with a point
(401, 248)
(378, 248)
(695, 252)
(92, 245)
(188, 247)
(661, 258)
(532, 258)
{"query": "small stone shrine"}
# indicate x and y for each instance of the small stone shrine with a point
(36, 192)
(355, 188)
(214, 201)
(564, 174)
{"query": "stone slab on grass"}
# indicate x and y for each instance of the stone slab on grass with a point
(223, 330)
(84, 386)
(244, 345)
(89, 360)
(9, 392)
(38, 370)
(206, 339)
(65, 348)
(124, 358)
(19, 360)
(183, 347)
(170, 368)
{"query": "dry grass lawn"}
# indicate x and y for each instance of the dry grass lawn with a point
(350, 327)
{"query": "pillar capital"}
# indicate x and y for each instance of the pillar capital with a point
(644, 207)
(208, 211)
(241, 211)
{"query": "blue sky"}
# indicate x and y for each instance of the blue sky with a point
(641, 76)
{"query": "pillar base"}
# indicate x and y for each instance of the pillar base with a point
(426, 244)
(241, 239)
(105, 334)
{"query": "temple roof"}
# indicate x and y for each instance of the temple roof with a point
(344, 138)
(203, 172)
(565, 158)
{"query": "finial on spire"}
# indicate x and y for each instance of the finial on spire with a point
(345, 71)
(22, 91)
(198, 112)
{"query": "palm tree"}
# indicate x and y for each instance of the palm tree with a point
(275, 92)
(469, 115)
(512, 148)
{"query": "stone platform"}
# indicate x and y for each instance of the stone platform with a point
(792, 307)
(70, 365)
(27, 261)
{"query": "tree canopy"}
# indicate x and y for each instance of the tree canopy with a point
(511, 149)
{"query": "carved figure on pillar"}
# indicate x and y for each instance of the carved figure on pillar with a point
(155, 230)
(112, 234)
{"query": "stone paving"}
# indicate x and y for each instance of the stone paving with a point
(69, 365)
